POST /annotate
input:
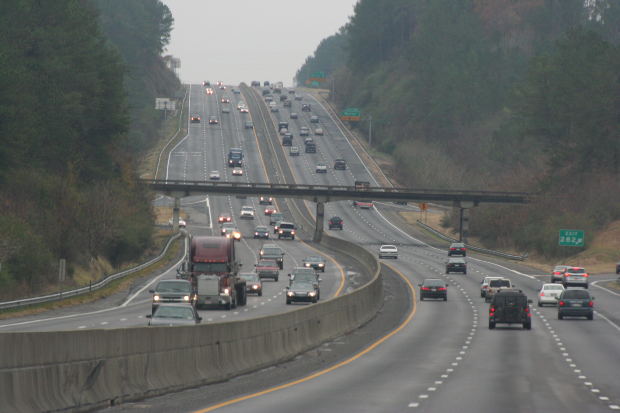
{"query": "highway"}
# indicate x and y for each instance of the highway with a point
(441, 357)
(204, 149)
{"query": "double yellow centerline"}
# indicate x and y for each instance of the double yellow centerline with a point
(335, 366)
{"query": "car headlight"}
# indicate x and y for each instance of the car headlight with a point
(186, 298)
(255, 287)
(293, 232)
(256, 233)
(312, 293)
(281, 232)
(156, 298)
(226, 291)
(321, 265)
(307, 264)
(261, 253)
(290, 293)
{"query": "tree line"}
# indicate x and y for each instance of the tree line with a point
(69, 100)
(493, 94)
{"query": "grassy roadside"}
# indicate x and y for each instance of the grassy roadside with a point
(114, 287)
(599, 257)
(164, 142)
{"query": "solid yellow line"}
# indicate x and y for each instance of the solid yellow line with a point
(334, 367)
(342, 274)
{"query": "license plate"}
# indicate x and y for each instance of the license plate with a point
(576, 304)
(433, 289)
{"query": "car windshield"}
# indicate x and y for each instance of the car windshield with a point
(287, 226)
(247, 208)
(560, 268)
(261, 229)
(576, 294)
(457, 246)
(433, 283)
(303, 285)
(499, 283)
(267, 263)
(575, 270)
(314, 259)
(250, 277)
(554, 287)
(174, 312)
(272, 251)
(173, 287)
(386, 247)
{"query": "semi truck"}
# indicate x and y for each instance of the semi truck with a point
(213, 270)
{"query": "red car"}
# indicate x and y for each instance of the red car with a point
(270, 210)
(224, 218)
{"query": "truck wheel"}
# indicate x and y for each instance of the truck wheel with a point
(288, 302)
(234, 302)
(244, 298)
(491, 325)
(590, 316)
(314, 301)
(275, 279)
(527, 325)
(293, 238)
(260, 293)
(228, 306)
(560, 316)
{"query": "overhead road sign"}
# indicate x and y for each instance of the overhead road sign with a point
(572, 238)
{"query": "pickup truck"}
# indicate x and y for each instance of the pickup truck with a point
(268, 269)
(496, 286)
(363, 204)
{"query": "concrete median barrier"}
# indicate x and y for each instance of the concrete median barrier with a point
(81, 370)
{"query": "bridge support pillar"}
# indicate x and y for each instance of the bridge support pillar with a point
(318, 229)
(463, 208)
(175, 214)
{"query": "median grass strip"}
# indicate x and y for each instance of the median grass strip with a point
(114, 287)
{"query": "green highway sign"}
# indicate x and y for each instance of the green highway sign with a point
(351, 114)
(572, 238)
(317, 75)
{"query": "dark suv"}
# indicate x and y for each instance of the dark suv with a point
(340, 164)
(510, 307)
(456, 264)
(335, 223)
(457, 248)
(576, 302)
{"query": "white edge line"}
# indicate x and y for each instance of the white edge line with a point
(614, 325)
(185, 137)
(98, 311)
(386, 220)
(595, 283)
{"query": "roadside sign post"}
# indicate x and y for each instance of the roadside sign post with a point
(571, 238)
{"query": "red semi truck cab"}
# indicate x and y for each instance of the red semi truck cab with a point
(213, 269)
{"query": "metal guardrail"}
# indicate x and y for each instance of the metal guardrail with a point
(93, 287)
(473, 247)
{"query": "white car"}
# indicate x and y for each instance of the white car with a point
(388, 251)
(247, 212)
(182, 223)
(321, 168)
(549, 293)
(237, 171)
(240, 105)
(214, 175)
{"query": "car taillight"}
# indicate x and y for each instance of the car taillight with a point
(561, 303)
(591, 304)
(586, 275)
(452, 249)
(425, 288)
(542, 294)
(442, 289)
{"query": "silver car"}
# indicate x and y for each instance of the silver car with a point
(174, 315)
(388, 251)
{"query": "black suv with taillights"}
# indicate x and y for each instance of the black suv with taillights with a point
(576, 302)
(510, 307)
(335, 223)
(456, 264)
(457, 248)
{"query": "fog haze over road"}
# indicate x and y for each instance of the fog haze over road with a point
(243, 40)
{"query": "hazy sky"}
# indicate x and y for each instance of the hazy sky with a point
(244, 40)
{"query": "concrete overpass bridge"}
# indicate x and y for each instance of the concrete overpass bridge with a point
(320, 194)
